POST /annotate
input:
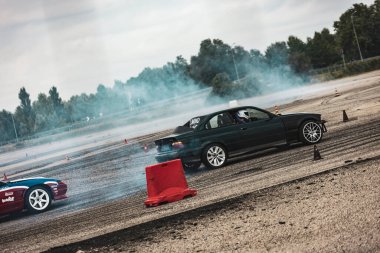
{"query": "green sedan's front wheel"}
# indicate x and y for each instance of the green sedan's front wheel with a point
(310, 132)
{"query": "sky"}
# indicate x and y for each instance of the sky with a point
(76, 45)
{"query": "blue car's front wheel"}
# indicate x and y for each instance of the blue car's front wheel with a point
(37, 199)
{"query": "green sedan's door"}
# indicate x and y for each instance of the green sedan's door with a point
(262, 130)
(221, 128)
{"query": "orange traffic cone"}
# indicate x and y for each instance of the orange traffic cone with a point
(166, 182)
(336, 93)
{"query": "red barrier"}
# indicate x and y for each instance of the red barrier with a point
(166, 182)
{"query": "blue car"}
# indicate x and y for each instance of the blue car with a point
(33, 194)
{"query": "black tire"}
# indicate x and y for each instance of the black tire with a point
(310, 132)
(214, 156)
(37, 199)
(191, 165)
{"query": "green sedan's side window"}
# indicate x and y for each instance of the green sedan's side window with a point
(220, 120)
(256, 114)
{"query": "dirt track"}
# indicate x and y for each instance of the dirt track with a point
(106, 212)
(327, 212)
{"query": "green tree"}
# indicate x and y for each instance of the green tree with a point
(57, 104)
(180, 65)
(216, 57)
(243, 60)
(298, 58)
(365, 20)
(82, 106)
(103, 98)
(323, 49)
(6, 127)
(110, 100)
(277, 54)
(375, 21)
(257, 59)
(296, 45)
(225, 88)
(222, 85)
(45, 116)
(24, 115)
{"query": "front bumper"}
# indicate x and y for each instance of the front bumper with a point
(324, 129)
(59, 191)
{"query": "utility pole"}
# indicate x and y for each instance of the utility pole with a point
(356, 37)
(14, 127)
(233, 59)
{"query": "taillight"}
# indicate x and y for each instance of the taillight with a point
(177, 145)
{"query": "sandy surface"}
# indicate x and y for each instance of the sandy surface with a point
(338, 211)
(107, 183)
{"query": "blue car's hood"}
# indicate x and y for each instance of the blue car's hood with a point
(31, 181)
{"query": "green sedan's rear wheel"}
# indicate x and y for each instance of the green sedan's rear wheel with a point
(214, 156)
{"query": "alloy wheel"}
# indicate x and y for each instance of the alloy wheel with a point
(39, 199)
(216, 156)
(312, 132)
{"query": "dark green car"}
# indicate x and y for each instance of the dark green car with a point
(216, 137)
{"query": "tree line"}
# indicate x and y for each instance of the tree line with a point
(231, 71)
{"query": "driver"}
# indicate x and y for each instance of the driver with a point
(242, 116)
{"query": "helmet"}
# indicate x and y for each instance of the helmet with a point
(243, 114)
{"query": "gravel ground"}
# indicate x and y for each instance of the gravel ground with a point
(337, 211)
(107, 189)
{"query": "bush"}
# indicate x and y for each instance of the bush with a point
(365, 66)
(352, 68)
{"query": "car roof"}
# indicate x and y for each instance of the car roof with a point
(234, 109)
(207, 116)
(227, 110)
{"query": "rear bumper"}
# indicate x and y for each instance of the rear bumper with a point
(184, 156)
(167, 156)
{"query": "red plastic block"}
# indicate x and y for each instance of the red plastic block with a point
(166, 182)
